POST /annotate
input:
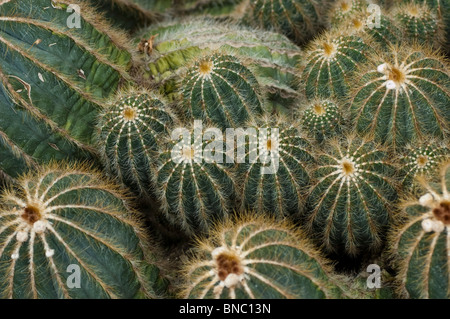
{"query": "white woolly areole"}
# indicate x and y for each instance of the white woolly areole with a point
(382, 68)
(390, 85)
(15, 256)
(232, 280)
(216, 252)
(426, 200)
(22, 236)
(427, 225)
(40, 226)
(438, 226)
(49, 253)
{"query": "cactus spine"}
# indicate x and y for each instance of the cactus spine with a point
(402, 96)
(421, 243)
(52, 80)
(128, 140)
(221, 88)
(257, 258)
(350, 202)
(62, 217)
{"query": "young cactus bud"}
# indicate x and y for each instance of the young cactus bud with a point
(53, 78)
(297, 19)
(195, 184)
(221, 88)
(321, 119)
(67, 233)
(421, 243)
(129, 129)
(257, 258)
(329, 61)
(273, 171)
(402, 95)
(350, 203)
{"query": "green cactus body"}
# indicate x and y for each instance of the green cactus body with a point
(128, 141)
(421, 243)
(418, 21)
(421, 160)
(297, 19)
(217, 8)
(344, 10)
(351, 199)
(328, 63)
(221, 88)
(273, 174)
(258, 259)
(52, 80)
(195, 184)
(321, 119)
(62, 221)
(272, 57)
(402, 96)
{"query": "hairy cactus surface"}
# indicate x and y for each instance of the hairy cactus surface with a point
(52, 82)
(402, 95)
(195, 183)
(421, 242)
(321, 119)
(352, 197)
(344, 10)
(257, 258)
(329, 61)
(298, 19)
(129, 130)
(221, 88)
(272, 57)
(61, 221)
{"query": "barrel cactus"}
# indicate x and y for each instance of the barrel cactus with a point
(53, 80)
(402, 95)
(322, 118)
(54, 223)
(194, 182)
(300, 20)
(129, 129)
(329, 61)
(421, 242)
(221, 88)
(271, 56)
(350, 204)
(344, 10)
(273, 172)
(257, 258)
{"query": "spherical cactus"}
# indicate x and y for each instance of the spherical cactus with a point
(257, 258)
(52, 82)
(271, 56)
(344, 10)
(321, 119)
(421, 159)
(67, 233)
(195, 183)
(129, 129)
(221, 88)
(297, 19)
(272, 174)
(419, 22)
(328, 63)
(421, 243)
(351, 201)
(402, 95)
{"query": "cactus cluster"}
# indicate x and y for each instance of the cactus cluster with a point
(224, 149)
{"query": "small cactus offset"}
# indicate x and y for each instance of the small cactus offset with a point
(350, 204)
(273, 176)
(257, 258)
(129, 129)
(52, 82)
(328, 63)
(66, 217)
(271, 56)
(421, 160)
(421, 243)
(300, 20)
(221, 88)
(194, 182)
(402, 96)
(322, 119)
